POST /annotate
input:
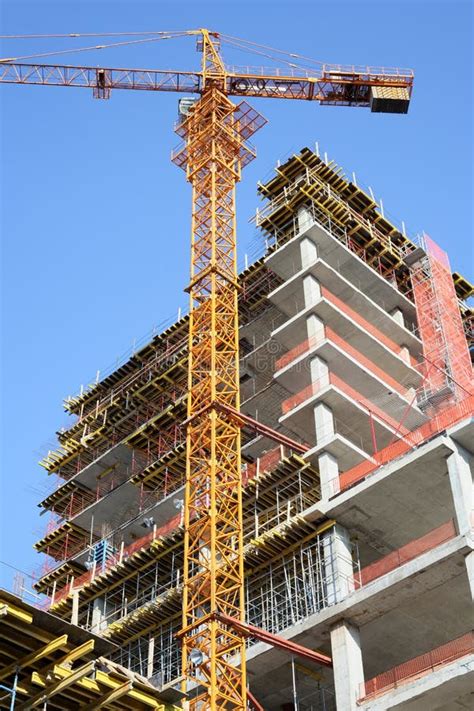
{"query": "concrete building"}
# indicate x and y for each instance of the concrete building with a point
(358, 538)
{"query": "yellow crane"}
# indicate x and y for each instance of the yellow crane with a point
(215, 132)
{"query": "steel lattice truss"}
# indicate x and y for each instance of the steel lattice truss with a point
(213, 155)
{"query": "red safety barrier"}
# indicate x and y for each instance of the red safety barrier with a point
(366, 326)
(295, 352)
(419, 666)
(444, 419)
(304, 394)
(353, 394)
(329, 334)
(402, 555)
(82, 580)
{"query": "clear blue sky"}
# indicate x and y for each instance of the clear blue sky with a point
(95, 218)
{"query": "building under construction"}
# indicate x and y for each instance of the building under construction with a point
(357, 440)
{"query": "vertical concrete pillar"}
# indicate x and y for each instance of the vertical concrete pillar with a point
(460, 479)
(305, 219)
(314, 328)
(308, 252)
(405, 354)
(311, 290)
(319, 371)
(324, 422)
(98, 615)
(75, 608)
(347, 665)
(151, 652)
(397, 315)
(338, 566)
(329, 475)
(470, 572)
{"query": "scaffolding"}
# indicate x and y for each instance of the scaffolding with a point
(447, 367)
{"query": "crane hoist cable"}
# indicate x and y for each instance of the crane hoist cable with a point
(73, 35)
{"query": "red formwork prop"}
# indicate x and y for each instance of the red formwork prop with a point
(419, 666)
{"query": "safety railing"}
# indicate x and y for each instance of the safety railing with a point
(329, 334)
(280, 236)
(251, 71)
(281, 513)
(365, 325)
(441, 421)
(299, 398)
(265, 463)
(417, 667)
(330, 379)
(408, 552)
(395, 72)
(144, 340)
(67, 462)
(123, 553)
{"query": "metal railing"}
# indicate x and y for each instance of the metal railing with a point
(419, 666)
(441, 421)
(410, 551)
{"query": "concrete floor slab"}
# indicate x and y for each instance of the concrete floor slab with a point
(413, 490)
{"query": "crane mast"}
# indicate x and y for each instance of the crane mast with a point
(213, 153)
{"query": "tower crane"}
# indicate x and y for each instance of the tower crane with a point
(215, 131)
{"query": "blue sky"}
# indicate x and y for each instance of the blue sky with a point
(95, 218)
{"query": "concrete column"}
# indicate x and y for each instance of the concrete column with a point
(314, 327)
(324, 422)
(98, 615)
(397, 315)
(470, 571)
(338, 566)
(305, 219)
(460, 478)
(329, 475)
(75, 608)
(319, 371)
(151, 652)
(308, 252)
(347, 663)
(311, 290)
(405, 354)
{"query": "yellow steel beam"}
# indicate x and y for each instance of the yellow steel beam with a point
(113, 695)
(18, 612)
(68, 678)
(317, 676)
(34, 656)
(74, 654)
(47, 693)
(149, 699)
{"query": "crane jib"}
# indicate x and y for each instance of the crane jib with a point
(333, 88)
